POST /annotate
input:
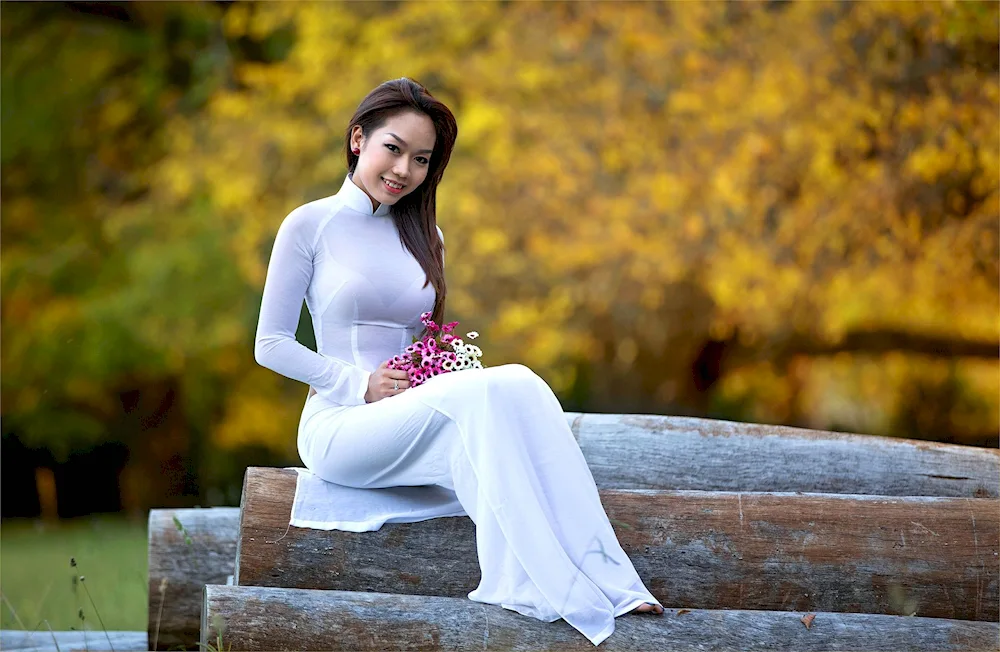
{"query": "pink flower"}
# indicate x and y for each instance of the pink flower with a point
(449, 327)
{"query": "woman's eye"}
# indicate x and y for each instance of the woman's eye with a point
(422, 160)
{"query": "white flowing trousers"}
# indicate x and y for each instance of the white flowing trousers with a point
(499, 439)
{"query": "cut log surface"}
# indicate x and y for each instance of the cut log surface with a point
(634, 451)
(182, 560)
(256, 618)
(710, 550)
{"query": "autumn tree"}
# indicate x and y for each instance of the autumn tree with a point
(770, 211)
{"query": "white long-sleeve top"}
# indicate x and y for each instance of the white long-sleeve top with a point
(362, 287)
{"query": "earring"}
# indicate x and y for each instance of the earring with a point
(356, 151)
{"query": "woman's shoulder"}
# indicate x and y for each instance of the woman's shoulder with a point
(307, 220)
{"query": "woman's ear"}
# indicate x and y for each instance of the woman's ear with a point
(357, 137)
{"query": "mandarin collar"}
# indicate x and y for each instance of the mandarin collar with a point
(358, 200)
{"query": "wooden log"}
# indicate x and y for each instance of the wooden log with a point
(710, 550)
(256, 618)
(703, 454)
(46, 641)
(661, 453)
(635, 451)
(188, 548)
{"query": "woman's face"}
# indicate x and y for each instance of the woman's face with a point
(394, 158)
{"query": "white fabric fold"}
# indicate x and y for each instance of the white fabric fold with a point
(366, 510)
(496, 441)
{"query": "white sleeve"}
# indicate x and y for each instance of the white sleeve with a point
(275, 347)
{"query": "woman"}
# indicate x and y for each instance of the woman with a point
(369, 261)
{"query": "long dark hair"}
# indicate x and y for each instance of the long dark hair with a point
(415, 214)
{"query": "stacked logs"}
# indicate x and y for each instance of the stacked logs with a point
(743, 531)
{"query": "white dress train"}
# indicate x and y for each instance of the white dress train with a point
(499, 439)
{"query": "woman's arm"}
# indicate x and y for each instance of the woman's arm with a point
(275, 347)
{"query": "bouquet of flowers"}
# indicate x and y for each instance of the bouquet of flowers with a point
(438, 353)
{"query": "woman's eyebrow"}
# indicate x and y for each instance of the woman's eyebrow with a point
(403, 142)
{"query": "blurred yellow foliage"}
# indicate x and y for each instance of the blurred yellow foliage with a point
(630, 180)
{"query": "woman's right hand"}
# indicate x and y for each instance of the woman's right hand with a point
(380, 383)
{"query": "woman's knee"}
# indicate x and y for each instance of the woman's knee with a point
(513, 377)
(517, 370)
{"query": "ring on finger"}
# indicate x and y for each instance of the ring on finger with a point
(395, 384)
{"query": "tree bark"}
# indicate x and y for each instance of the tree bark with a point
(708, 550)
(254, 618)
(42, 640)
(182, 560)
(635, 451)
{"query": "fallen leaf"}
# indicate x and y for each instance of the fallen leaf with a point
(807, 620)
(681, 612)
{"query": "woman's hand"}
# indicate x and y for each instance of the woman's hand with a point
(380, 383)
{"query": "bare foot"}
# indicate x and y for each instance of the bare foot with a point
(647, 607)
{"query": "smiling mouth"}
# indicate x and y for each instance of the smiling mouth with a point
(392, 186)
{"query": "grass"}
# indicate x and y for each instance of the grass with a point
(37, 578)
